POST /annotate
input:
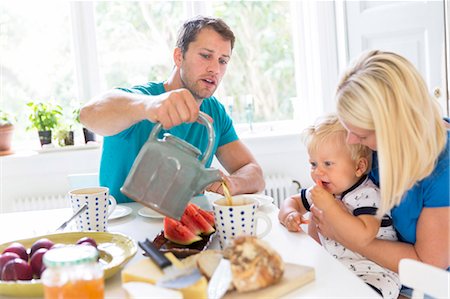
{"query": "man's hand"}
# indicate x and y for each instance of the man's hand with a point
(173, 108)
(216, 187)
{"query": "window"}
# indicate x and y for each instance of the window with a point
(36, 59)
(68, 52)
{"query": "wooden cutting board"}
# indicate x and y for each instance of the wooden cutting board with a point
(295, 276)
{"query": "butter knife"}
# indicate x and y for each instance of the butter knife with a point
(78, 212)
(220, 281)
(174, 278)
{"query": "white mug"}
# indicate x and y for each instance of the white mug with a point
(95, 217)
(239, 219)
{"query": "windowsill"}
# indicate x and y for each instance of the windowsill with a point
(32, 152)
(257, 131)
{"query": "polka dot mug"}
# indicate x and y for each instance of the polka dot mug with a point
(238, 219)
(95, 217)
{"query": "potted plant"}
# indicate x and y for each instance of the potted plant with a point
(88, 135)
(6, 132)
(64, 136)
(44, 117)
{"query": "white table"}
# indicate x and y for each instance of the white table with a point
(333, 280)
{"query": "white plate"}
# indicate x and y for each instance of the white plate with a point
(120, 211)
(147, 212)
(263, 199)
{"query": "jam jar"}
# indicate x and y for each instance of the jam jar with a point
(73, 271)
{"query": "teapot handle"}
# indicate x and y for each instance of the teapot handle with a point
(203, 119)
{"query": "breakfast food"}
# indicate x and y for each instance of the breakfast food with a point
(194, 222)
(254, 264)
(147, 271)
(31, 266)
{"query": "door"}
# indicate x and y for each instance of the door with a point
(414, 29)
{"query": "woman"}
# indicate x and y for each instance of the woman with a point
(383, 103)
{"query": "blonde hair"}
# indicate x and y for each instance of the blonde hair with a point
(384, 92)
(329, 128)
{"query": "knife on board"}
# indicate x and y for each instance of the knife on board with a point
(220, 280)
(174, 277)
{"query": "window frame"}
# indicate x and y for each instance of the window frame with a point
(315, 53)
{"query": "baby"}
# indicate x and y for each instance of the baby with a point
(349, 198)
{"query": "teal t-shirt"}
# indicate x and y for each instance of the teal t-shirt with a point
(120, 151)
(431, 192)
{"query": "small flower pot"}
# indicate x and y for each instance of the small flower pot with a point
(88, 135)
(68, 140)
(6, 133)
(45, 137)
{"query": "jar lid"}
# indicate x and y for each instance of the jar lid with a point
(70, 255)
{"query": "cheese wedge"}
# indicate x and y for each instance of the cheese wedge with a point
(147, 271)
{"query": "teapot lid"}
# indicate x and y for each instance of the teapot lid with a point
(181, 144)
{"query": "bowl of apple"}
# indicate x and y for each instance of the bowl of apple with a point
(21, 263)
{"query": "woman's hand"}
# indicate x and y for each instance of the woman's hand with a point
(323, 226)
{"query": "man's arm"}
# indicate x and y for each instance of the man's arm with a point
(117, 110)
(246, 175)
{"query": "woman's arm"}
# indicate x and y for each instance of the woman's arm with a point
(432, 241)
(360, 229)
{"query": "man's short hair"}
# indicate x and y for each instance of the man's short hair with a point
(190, 29)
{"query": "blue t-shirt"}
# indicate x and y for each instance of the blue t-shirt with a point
(431, 192)
(120, 150)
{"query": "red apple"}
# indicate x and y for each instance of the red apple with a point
(17, 269)
(41, 243)
(87, 240)
(19, 249)
(36, 261)
(6, 257)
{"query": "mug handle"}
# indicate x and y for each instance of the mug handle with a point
(265, 218)
(112, 206)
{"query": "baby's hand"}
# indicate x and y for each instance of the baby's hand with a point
(321, 198)
(293, 221)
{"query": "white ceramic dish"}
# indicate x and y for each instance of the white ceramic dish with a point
(115, 251)
(264, 200)
(149, 213)
(120, 211)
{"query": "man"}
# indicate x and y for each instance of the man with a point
(126, 116)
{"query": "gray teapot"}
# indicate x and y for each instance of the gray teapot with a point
(167, 172)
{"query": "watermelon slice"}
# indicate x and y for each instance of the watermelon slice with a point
(192, 211)
(208, 215)
(191, 224)
(176, 232)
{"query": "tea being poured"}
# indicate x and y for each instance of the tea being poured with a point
(226, 192)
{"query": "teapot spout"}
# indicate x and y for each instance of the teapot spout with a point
(209, 175)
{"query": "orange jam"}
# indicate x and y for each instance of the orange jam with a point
(89, 289)
(73, 272)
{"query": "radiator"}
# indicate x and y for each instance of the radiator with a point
(30, 203)
(277, 186)
(280, 187)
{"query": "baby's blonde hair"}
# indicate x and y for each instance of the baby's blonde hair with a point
(384, 92)
(328, 128)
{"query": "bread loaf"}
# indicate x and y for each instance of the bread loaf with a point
(254, 264)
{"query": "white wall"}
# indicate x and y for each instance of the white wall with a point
(35, 174)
